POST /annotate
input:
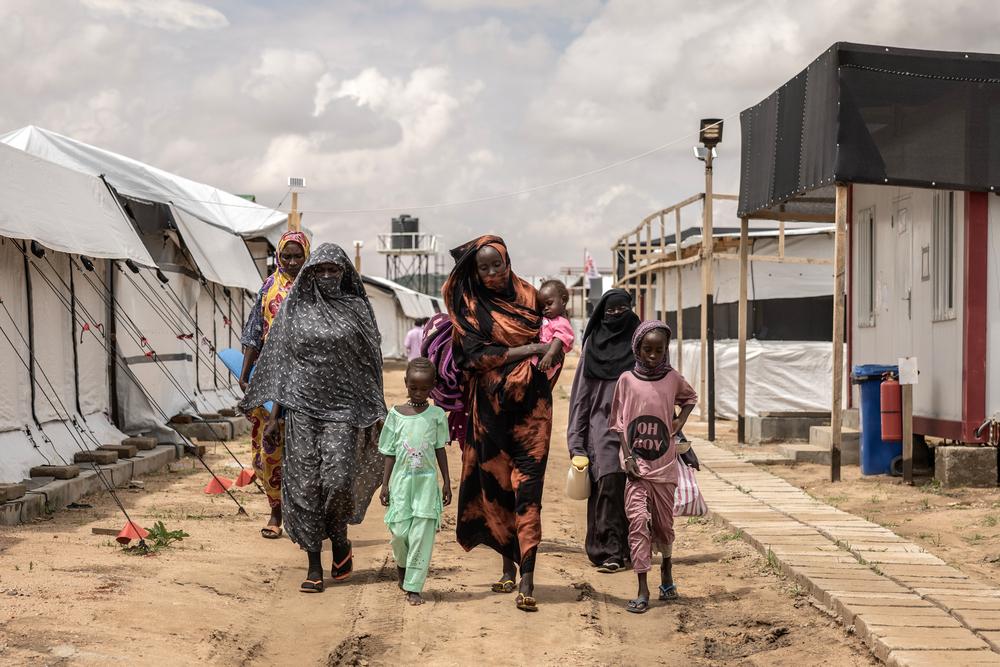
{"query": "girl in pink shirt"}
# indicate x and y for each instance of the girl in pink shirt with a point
(557, 332)
(642, 412)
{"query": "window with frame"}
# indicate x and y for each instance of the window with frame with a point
(866, 267)
(943, 256)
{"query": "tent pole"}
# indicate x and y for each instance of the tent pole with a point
(112, 339)
(72, 337)
(742, 389)
(839, 257)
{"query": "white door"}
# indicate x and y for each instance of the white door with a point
(902, 222)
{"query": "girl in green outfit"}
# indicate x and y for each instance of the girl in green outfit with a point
(413, 441)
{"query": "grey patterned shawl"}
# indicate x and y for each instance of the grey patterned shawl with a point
(323, 354)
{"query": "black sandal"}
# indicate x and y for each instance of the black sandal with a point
(669, 593)
(342, 570)
(312, 586)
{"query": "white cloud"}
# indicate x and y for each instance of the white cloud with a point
(390, 103)
(165, 14)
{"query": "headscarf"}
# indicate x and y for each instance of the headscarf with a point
(643, 371)
(503, 314)
(608, 341)
(323, 357)
(278, 284)
(436, 346)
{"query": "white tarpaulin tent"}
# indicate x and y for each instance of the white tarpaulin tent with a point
(211, 231)
(74, 214)
(136, 179)
(396, 310)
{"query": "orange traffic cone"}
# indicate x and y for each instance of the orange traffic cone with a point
(218, 485)
(245, 477)
(131, 531)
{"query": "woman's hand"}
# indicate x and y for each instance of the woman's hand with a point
(547, 362)
(244, 385)
(271, 430)
(446, 494)
(383, 497)
(631, 469)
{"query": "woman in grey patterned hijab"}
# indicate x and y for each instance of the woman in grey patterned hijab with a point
(322, 368)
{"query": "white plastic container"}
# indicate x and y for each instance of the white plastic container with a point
(578, 483)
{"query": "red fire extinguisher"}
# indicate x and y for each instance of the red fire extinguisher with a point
(891, 398)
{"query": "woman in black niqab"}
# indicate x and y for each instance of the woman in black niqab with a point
(607, 353)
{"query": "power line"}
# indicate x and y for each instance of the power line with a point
(488, 198)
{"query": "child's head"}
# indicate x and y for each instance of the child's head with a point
(554, 297)
(420, 377)
(651, 344)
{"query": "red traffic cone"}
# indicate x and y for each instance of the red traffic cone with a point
(131, 531)
(245, 477)
(218, 485)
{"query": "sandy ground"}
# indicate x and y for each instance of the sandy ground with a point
(224, 596)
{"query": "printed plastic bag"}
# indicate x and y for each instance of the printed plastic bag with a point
(688, 500)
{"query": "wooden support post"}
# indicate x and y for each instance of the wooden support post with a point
(680, 292)
(907, 390)
(707, 301)
(293, 215)
(781, 239)
(742, 380)
(839, 269)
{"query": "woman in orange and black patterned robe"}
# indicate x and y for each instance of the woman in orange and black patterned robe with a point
(497, 318)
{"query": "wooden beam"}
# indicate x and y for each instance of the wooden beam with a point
(793, 217)
(775, 259)
(907, 391)
(742, 372)
(680, 293)
(839, 268)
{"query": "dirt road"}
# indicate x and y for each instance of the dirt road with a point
(224, 596)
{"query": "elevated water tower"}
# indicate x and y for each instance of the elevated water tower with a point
(408, 253)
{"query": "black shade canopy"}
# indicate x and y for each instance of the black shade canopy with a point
(874, 114)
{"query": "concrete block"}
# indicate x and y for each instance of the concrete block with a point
(12, 492)
(56, 494)
(965, 466)
(782, 427)
(852, 419)
(141, 444)
(938, 658)
(58, 472)
(124, 451)
(98, 456)
(223, 428)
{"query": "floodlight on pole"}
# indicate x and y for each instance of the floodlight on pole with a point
(710, 136)
(710, 132)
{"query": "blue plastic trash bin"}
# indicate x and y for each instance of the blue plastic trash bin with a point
(876, 455)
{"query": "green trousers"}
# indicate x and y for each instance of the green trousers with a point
(412, 544)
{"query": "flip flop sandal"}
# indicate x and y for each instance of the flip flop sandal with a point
(343, 569)
(503, 586)
(270, 532)
(312, 586)
(668, 593)
(637, 606)
(526, 602)
(610, 567)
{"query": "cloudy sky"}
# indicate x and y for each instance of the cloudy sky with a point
(407, 103)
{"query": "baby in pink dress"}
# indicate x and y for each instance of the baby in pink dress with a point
(557, 332)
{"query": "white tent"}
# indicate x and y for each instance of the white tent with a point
(196, 235)
(397, 308)
(136, 179)
(47, 303)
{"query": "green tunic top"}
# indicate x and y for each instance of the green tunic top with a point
(413, 486)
